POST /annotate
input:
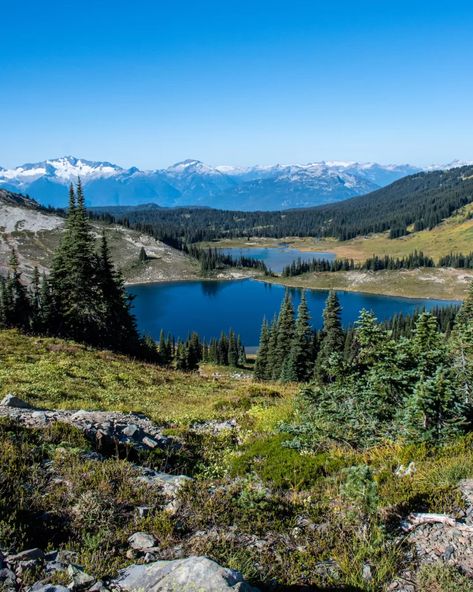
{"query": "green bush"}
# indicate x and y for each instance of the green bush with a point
(284, 467)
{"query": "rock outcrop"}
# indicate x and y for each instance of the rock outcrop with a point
(103, 428)
(194, 574)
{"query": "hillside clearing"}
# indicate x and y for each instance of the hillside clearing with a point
(53, 373)
(434, 283)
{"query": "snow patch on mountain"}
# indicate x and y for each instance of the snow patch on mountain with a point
(192, 182)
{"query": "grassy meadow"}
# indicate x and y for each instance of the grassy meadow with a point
(255, 504)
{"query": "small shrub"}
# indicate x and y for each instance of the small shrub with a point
(284, 467)
(443, 578)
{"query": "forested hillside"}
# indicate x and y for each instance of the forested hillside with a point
(413, 203)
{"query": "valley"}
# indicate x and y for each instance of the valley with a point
(273, 428)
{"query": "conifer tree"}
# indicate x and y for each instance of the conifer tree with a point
(74, 282)
(193, 351)
(434, 412)
(241, 352)
(222, 350)
(262, 369)
(119, 323)
(181, 356)
(461, 348)
(368, 340)
(143, 257)
(284, 336)
(17, 310)
(330, 356)
(232, 350)
(86, 299)
(428, 345)
(299, 365)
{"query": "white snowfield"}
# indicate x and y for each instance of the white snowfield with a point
(69, 168)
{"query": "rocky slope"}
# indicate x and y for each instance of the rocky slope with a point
(428, 541)
(35, 234)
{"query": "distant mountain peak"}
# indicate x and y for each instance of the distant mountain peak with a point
(193, 182)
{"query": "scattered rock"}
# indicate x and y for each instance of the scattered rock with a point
(64, 556)
(98, 587)
(143, 511)
(80, 579)
(367, 573)
(12, 401)
(7, 576)
(105, 428)
(212, 426)
(403, 471)
(28, 555)
(169, 485)
(141, 541)
(48, 588)
(194, 574)
(131, 429)
(149, 442)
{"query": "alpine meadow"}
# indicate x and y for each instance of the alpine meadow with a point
(236, 315)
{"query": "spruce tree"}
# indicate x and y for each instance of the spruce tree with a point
(193, 351)
(285, 335)
(262, 368)
(241, 352)
(120, 325)
(16, 304)
(300, 363)
(428, 345)
(222, 350)
(143, 257)
(330, 356)
(74, 282)
(232, 350)
(461, 348)
(87, 300)
(181, 356)
(434, 412)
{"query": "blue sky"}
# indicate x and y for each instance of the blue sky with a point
(149, 83)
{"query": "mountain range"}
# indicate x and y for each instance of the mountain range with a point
(194, 183)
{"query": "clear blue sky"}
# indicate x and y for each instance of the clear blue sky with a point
(148, 83)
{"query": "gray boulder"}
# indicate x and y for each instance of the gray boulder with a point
(12, 401)
(194, 574)
(141, 541)
(79, 578)
(28, 555)
(48, 588)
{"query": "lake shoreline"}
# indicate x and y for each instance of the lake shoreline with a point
(181, 307)
(304, 285)
(444, 284)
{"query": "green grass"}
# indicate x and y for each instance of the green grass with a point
(248, 486)
(436, 283)
(455, 234)
(53, 373)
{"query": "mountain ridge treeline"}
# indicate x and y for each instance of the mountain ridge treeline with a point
(417, 202)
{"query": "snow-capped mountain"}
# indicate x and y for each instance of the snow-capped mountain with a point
(192, 182)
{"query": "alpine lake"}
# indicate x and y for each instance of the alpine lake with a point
(212, 306)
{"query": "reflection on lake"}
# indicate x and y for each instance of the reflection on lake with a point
(276, 258)
(210, 307)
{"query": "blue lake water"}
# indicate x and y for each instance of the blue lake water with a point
(210, 307)
(276, 258)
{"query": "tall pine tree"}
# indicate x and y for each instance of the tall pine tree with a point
(330, 356)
